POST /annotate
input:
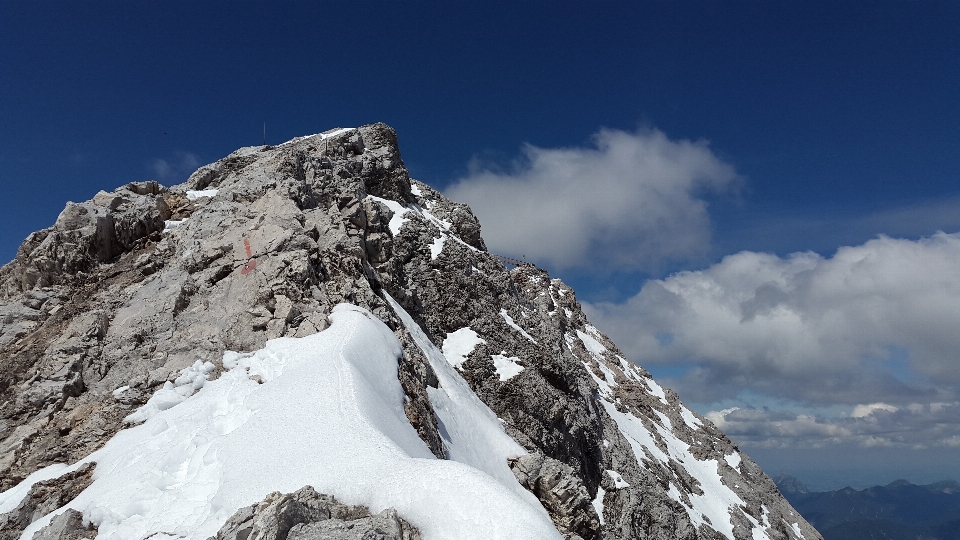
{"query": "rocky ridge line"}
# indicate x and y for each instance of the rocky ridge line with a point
(127, 290)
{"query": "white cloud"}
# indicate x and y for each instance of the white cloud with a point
(176, 169)
(874, 323)
(914, 427)
(862, 411)
(631, 202)
(953, 442)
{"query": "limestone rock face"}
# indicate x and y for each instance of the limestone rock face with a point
(560, 491)
(90, 233)
(67, 526)
(45, 497)
(128, 289)
(308, 515)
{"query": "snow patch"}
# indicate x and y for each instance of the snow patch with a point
(664, 419)
(656, 391)
(464, 244)
(397, 221)
(191, 379)
(688, 418)
(10, 498)
(119, 391)
(618, 480)
(325, 135)
(171, 224)
(507, 366)
(459, 344)
(636, 434)
(441, 224)
(717, 499)
(591, 344)
(759, 529)
(674, 493)
(598, 503)
(605, 390)
(506, 316)
(473, 434)
(194, 195)
(187, 469)
(733, 460)
(628, 369)
(437, 246)
(608, 374)
(335, 132)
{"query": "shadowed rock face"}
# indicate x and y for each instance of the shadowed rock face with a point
(45, 497)
(106, 299)
(66, 526)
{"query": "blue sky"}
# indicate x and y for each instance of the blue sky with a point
(817, 126)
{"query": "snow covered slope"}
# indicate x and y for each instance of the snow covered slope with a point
(333, 396)
(317, 318)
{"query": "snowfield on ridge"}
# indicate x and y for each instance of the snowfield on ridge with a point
(331, 404)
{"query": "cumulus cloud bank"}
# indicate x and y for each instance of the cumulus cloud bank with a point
(915, 426)
(875, 323)
(631, 202)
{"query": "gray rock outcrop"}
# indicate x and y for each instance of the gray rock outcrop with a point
(560, 491)
(68, 525)
(127, 289)
(45, 497)
(308, 515)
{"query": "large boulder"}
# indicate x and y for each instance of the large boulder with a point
(308, 515)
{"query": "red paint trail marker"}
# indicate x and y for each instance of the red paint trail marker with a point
(251, 262)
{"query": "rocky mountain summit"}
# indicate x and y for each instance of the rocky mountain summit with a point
(140, 305)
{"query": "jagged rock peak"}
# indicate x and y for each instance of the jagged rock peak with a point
(133, 301)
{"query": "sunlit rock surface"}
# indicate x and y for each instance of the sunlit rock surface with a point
(141, 304)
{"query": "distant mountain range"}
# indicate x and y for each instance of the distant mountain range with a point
(897, 511)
